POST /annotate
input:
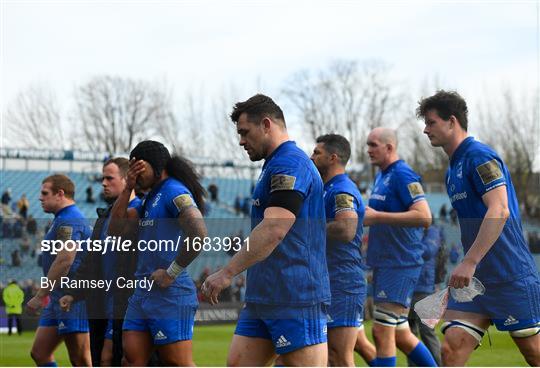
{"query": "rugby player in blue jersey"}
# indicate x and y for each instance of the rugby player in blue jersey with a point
(287, 277)
(481, 191)
(397, 213)
(161, 317)
(57, 197)
(98, 266)
(344, 216)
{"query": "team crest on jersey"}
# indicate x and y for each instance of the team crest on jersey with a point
(282, 182)
(261, 176)
(489, 171)
(459, 170)
(64, 233)
(156, 200)
(415, 189)
(344, 201)
(386, 180)
(183, 201)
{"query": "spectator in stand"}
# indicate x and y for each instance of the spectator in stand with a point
(453, 217)
(6, 197)
(23, 205)
(90, 195)
(238, 206)
(15, 258)
(443, 213)
(214, 191)
(18, 228)
(25, 245)
(31, 225)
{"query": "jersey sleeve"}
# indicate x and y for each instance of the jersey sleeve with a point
(74, 229)
(289, 176)
(486, 172)
(179, 201)
(409, 188)
(343, 201)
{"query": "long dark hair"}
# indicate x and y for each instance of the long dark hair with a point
(181, 169)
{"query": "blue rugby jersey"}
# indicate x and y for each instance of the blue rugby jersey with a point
(68, 223)
(474, 170)
(395, 189)
(158, 220)
(295, 273)
(344, 259)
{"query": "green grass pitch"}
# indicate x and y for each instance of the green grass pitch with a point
(211, 343)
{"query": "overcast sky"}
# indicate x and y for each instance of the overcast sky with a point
(471, 46)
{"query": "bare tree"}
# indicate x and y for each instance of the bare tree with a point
(416, 148)
(349, 98)
(115, 113)
(186, 130)
(34, 119)
(509, 123)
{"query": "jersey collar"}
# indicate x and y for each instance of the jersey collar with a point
(334, 179)
(157, 188)
(63, 210)
(279, 148)
(391, 166)
(460, 150)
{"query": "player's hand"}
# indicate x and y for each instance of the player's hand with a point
(161, 278)
(35, 304)
(370, 216)
(462, 274)
(214, 284)
(136, 168)
(65, 302)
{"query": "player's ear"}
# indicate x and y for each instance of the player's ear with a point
(453, 121)
(61, 193)
(266, 122)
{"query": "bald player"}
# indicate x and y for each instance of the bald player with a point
(397, 212)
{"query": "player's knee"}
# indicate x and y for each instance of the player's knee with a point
(176, 361)
(461, 338)
(460, 332)
(105, 362)
(39, 356)
(333, 355)
(129, 360)
(80, 360)
(233, 360)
